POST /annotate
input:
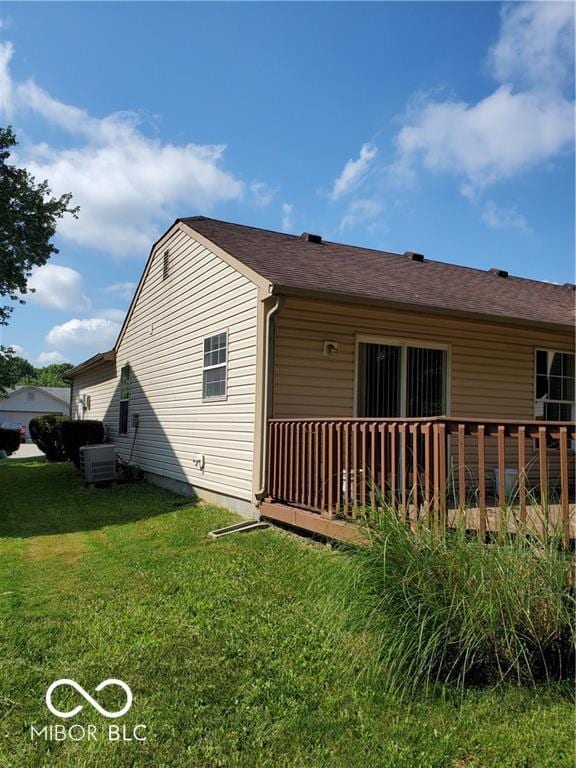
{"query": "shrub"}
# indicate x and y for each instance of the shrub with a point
(443, 607)
(130, 473)
(9, 440)
(75, 434)
(46, 433)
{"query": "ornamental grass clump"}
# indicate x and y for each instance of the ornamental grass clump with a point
(443, 607)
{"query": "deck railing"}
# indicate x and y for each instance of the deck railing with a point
(338, 467)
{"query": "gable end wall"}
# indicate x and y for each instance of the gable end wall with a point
(163, 344)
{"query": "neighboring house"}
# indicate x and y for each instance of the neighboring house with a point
(25, 402)
(237, 333)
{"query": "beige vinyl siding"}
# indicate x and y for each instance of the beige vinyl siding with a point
(100, 384)
(163, 344)
(491, 365)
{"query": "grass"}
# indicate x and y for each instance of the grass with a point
(234, 659)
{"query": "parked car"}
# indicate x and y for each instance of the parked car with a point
(15, 425)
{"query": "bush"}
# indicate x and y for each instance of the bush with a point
(46, 433)
(75, 434)
(9, 440)
(443, 607)
(130, 473)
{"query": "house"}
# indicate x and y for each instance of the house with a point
(23, 403)
(287, 375)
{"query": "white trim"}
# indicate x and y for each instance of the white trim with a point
(403, 343)
(225, 365)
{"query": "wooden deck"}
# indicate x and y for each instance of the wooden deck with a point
(350, 530)
(487, 475)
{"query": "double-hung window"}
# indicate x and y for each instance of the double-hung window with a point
(215, 364)
(124, 399)
(554, 395)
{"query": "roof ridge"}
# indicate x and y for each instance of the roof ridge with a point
(238, 224)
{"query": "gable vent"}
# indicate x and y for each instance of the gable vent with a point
(498, 272)
(311, 238)
(414, 256)
(166, 265)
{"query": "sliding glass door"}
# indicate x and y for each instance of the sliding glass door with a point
(400, 380)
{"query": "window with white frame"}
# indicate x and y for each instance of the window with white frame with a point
(214, 368)
(554, 390)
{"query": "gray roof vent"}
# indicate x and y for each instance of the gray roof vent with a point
(414, 256)
(311, 238)
(498, 272)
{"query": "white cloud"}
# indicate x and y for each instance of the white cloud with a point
(16, 349)
(117, 315)
(262, 193)
(287, 217)
(96, 333)
(50, 358)
(126, 184)
(504, 218)
(361, 212)
(354, 171)
(6, 51)
(121, 290)
(535, 44)
(499, 137)
(523, 123)
(58, 287)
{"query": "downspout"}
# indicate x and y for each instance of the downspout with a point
(71, 399)
(267, 376)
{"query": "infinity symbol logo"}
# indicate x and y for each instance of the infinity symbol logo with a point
(89, 699)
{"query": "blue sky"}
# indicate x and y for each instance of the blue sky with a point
(445, 128)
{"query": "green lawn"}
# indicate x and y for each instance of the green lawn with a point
(232, 658)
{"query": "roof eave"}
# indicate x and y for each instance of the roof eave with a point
(348, 298)
(92, 362)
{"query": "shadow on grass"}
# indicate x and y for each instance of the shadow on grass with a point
(40, 498)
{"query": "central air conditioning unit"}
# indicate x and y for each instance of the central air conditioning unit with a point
(98, 463)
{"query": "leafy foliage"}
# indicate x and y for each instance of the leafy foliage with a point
(28, 216)
(9, 440)
(48, 376)
(46, 432)
(14, 369)
(75, 434)
(28, 213)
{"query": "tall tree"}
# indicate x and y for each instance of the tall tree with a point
(49, 376)
(15, 370)
(28, 218)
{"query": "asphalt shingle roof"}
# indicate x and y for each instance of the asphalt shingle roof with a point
(291, 261)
